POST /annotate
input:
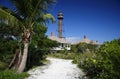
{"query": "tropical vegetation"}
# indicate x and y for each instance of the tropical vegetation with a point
(26, 15)
(105, 64)
(97, 61)
(23, 44)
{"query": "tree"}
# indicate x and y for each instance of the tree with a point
(7, 44)
(39, 47)
(25, 15)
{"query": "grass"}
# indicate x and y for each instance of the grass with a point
(9, 74)
(63, 56)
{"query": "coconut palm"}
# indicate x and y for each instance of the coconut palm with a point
(25, 15)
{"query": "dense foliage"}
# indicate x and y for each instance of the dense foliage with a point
(25, 15)
(7, 45)
(39, 46)
(106, 64)
(83, 47)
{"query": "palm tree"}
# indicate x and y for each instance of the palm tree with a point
(25, 15)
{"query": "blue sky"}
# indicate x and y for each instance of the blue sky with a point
(97, 19)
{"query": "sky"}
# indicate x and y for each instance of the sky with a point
(97, 19)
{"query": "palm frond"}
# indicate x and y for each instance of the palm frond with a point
(8, 18)
(22, 7)
(49, 16)
(29, 9)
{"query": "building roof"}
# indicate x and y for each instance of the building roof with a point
(88, 41)
(60, 40)
(63, 40)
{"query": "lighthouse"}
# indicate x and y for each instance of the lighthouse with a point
(60, 23)
(63, 43)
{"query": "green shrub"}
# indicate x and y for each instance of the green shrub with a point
(106, 64)
(8, 74)
(80, 57)
(3, 66)
(83, 48)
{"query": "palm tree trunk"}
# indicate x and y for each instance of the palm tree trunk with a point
(25, 38)
(16, 60)
(24, 58)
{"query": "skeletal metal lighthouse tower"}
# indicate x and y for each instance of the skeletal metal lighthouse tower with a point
(60, 19)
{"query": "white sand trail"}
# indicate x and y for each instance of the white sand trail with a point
(57, 69)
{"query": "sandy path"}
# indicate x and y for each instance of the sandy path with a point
(57, 69)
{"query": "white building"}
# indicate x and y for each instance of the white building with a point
(64, 44)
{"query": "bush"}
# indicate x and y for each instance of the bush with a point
(3, 66)
(8, 74)
(106, 64)
(7, 50)
(83, 47)
(80, 57)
